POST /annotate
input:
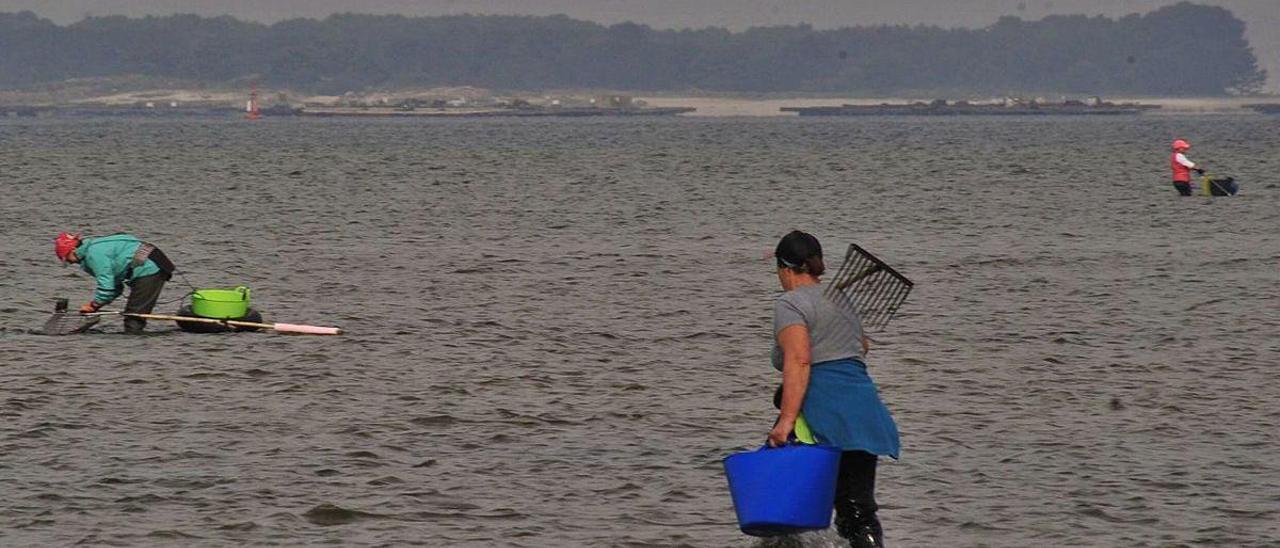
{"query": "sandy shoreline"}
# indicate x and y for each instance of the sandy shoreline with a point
(89, 95)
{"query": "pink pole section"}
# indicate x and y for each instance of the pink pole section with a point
(306, 329)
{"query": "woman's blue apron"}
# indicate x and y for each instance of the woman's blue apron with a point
(843, 409)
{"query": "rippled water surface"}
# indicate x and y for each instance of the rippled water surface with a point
(557, 328)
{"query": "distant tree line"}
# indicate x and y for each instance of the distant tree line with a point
(1184, 49)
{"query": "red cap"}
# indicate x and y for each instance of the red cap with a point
(1181, 145)
(64, 244)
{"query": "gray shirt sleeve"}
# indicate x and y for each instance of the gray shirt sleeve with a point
(786, 313)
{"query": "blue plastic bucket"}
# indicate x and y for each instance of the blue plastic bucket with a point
(784, 490)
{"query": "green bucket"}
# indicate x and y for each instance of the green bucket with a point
(221, 304)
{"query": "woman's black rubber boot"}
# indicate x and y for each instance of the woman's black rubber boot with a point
(860, 528)
(856, 506)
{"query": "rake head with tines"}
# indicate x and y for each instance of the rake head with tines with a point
(67, 323)
(869, 286)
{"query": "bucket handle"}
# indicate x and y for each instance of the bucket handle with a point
(244, 292)
(791, 442)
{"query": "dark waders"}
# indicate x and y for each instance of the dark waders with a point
(143, 294)
(856, 506)
(1183, 187)
(145, 291)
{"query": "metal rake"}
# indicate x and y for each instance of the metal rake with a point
(67, 323)
(869, 286)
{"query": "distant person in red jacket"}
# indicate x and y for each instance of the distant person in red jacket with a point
(1182, 167)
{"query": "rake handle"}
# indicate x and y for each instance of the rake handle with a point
(854, 279)
(283, 327)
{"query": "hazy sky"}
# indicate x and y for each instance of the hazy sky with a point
(1261, 16)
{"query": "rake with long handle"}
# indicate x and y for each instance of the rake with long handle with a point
(66, 323)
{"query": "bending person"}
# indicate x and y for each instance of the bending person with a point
(820, 351)
(116, 261)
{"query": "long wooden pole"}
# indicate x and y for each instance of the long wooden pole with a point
(282, 327)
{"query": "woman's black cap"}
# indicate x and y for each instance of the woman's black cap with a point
(796, 248)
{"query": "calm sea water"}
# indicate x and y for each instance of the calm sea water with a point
(557, 328)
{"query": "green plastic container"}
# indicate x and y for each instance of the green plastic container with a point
(221, 304)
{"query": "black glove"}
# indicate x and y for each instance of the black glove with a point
(1199, 171)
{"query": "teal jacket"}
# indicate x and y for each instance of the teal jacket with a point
(109, 260)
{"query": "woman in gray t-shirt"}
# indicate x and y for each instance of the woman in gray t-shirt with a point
(820, 349)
